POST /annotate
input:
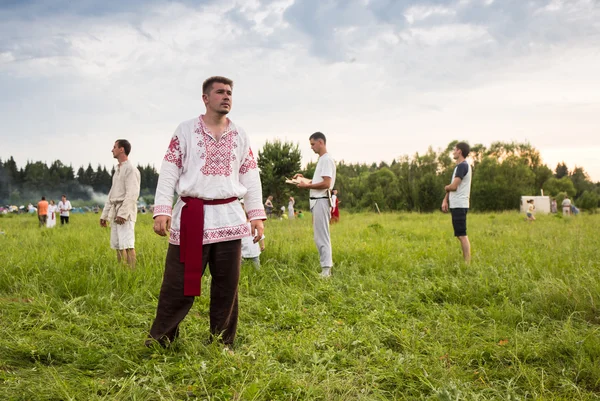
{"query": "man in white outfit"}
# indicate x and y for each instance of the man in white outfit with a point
(121, 205)
(320, 200)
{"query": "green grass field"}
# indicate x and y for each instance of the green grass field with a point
(401, 319)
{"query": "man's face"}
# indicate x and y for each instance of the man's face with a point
(116, 150)
(316, 145)
(219, 98)
(456, 153)
(64, 198)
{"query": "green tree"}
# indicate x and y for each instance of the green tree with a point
(553, 186)
(589, 201)
(561, 170)
(581, 181)
(276, 161)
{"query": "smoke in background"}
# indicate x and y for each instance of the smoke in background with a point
(75, 192)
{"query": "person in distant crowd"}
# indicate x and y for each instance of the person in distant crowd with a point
(42, 211)
(335, 211)
(530, 210)
(284, 215)
(553, 206)
(300, 214)
(269, 206)
(320, 200)
(457, 197)
(64, 207)
(211, 165)
(566, 206)
(121, 206)
(31, 209)
(52, 208)
(574, 210)
(251, 250)
(291, 203)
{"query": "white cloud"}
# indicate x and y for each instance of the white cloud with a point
(378, 88)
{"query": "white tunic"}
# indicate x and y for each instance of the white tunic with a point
(198, 166)
(124, 193)
(64, 208)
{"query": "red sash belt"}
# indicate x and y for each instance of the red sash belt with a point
(192, 234)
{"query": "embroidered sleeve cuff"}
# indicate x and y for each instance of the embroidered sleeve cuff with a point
(257, 214)
(162, 210)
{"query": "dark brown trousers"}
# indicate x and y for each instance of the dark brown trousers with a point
(224, 260)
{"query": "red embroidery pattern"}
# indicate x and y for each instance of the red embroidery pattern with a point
(259, 213)
(175, 237)
(162, 209)
(218, 155)
(216, 234)
(249, 163)
(173, 155)
(226, 233)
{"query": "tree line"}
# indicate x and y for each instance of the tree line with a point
(502, 173)
(37, 179)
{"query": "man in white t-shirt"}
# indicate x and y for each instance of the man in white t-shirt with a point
(457, 197)
(320, 200)
(63, 207)
(566, 205)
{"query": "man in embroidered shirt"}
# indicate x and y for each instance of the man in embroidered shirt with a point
(64, 206)
(457, 197)
(121, 205)
(210, 164)
(320, 200)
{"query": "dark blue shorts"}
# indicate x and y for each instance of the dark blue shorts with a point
(459, 221)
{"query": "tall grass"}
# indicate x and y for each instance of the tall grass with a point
(402, 318)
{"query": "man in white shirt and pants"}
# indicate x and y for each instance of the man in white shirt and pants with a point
(320, 200)
(121, 205)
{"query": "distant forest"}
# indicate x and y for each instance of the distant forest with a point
(502, 173)
(36, 179)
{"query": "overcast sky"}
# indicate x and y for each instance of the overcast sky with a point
(381, 78)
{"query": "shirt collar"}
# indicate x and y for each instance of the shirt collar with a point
(207, 131)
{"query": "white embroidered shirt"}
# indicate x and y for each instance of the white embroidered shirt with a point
(198, 166)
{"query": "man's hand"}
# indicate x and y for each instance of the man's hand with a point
(445, 206)
(258, 229)
(303, 184)
(162, 225)
(102, 223)
(119, 220)
(298, 175)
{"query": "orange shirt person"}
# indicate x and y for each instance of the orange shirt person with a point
(42, 210)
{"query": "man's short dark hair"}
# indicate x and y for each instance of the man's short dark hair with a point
(43, 198)
(124, 143)
(318, 135)
(464, 148)
(207, 85)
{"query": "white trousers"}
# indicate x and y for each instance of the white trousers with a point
(321, 212)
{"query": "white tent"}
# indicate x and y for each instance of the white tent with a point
(541, 203)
